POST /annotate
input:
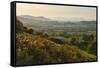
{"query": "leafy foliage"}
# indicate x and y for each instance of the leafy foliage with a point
(36, 48)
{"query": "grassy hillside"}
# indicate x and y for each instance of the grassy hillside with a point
(33, 47)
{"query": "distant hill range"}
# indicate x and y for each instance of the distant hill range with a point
(52, 24)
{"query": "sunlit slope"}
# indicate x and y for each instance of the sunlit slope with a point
(37, 49)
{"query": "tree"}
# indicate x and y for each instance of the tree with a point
(30, 31)
(92, 47)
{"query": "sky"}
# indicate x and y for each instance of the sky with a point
(56, 11)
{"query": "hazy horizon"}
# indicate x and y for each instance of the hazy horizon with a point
(85, 13)
(54, 18)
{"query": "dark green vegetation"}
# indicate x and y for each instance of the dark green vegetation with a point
(34, 47)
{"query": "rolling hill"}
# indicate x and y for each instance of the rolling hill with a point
(33, 47)
(41, 23)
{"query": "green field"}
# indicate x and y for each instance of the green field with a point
(36, 47)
